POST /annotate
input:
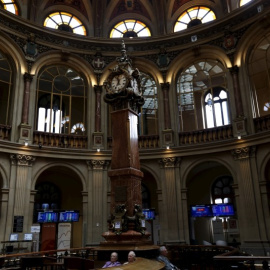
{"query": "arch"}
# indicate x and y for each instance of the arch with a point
(9, 47)
(255, 33)
(188, 56)
(58, 57)
(59, 164)
(148, 67)
(67, 8)
(4, 176)
(154, 173)
(184, 7)
(199, 161)
(263, 167)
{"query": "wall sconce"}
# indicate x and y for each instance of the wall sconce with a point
(239, 136)
(167, 147)
(98, 149)
(40, 145)
(25, 142)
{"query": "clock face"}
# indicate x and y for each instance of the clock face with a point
(118, 83)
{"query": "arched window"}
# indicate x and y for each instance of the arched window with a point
(243, 2)
(194, 16)
(10, 6)
(222, 191)
(259, 72)
(202, 98)
(216, 108)
(5, 89)
(65, 22)
(148, 116)
(130, 29)
(61, 101)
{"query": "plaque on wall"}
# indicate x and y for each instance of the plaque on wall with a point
(120, 194)
(18, 224)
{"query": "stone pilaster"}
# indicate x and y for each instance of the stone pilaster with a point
(97, 207)
(170, 210)
(245, 197)
(20, 189)
(4, 212)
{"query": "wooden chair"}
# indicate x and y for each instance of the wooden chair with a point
(72, 263)
(88, 264)
(33, 262)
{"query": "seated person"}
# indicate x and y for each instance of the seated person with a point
(131, 257)
(113, 262)
(163, 258)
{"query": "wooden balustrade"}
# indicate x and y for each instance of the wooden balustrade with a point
(144, 142)
(262, 124)
(60, 140)
(206, 135)
(5, 132)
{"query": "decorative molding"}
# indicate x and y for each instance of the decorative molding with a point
(243, 153)
(97, 164)
(170, 162)
(22, 160)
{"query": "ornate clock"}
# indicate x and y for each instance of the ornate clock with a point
(117, 82)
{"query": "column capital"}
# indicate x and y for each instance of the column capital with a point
(97, 164)
(169, 162)
(165, 86)
(22, 160)
(98, 88)
(28, 77)
(234, 69)
(243, 153)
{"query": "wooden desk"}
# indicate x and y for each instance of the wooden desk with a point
(142, 264)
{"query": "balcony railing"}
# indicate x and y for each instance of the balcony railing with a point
(5, 132)
(145, 142)
(60, 140)
(262, 123)
(206, 135)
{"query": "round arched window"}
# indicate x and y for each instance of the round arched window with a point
(130, 29)
(65, 22)
(194, 16)
(10, 6)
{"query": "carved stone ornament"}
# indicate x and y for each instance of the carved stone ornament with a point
(243, 153)
(22, 160)
(97, 164)
(169, 162)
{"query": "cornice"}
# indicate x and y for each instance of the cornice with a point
(146, 154)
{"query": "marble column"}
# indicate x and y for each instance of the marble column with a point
(97, 207)
(25, 129)
(170, 208)
(27, 82)
(167, 133)
(98, 135)
(239, 121)
(167, 117)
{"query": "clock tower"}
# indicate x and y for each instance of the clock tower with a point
(123, 94)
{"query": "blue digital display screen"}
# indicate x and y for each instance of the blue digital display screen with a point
(69, 216)
(47, 217)
(201, 211)
(149, 214)
(223, 210)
